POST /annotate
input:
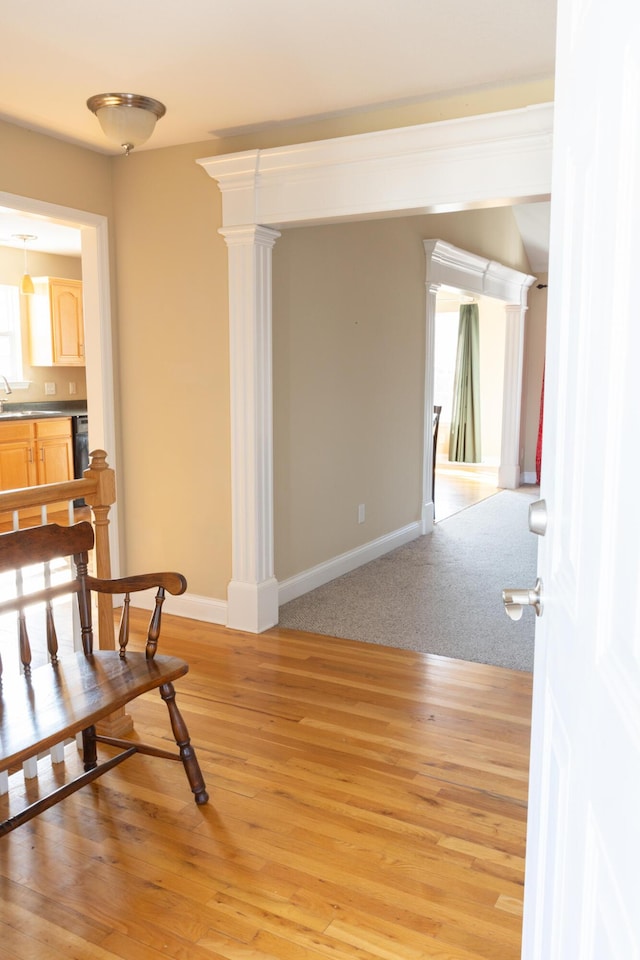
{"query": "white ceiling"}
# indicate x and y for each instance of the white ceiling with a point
(49, 237)
(232, 66)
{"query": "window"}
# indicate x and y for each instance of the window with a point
(10, 335)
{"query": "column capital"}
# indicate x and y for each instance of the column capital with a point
(249, 233)
(515, 310)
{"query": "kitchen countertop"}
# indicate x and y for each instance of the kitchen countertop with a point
(33, 411)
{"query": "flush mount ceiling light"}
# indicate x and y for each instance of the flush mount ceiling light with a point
(26, 284)
(126, 118)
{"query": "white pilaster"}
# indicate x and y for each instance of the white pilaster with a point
(428, 508)
(509, 472)
(252, 598)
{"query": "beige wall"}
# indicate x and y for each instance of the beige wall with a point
(174, 371)
(349, 369)
(42, 265)
(33, 165)
(348, 322)
(169, 294)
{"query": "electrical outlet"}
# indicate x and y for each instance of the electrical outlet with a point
(49, 389)
(73, 389)
(361, 513)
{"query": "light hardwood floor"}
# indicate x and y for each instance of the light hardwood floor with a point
(457, 488)
(366, 804)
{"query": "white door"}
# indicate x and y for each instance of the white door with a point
(582, 890)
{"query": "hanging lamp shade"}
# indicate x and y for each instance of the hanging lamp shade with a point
(26, 284)
(127, 119)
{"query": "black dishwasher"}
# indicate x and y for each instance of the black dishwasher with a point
(80, 434)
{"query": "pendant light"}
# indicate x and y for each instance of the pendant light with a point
(26, 284)
(128, 119)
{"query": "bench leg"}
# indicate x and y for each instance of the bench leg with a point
(187, 753)
(89, 749)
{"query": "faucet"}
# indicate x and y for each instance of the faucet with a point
(7, 391)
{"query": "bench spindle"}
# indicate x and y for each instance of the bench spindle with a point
(52, 636)
(23, 643)
(154, 626)
(123, 632)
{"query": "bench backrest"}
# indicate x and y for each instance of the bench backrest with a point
(41, 546)
(51, 542)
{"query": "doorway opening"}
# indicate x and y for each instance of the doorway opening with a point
(95, 273)
(460, 484)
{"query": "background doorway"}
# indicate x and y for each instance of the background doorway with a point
(457, 484)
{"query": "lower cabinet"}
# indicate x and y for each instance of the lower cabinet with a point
(34, 452)
(53, 450)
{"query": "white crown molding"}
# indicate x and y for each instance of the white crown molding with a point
(418, 169)
(453, 267)
(489, 160)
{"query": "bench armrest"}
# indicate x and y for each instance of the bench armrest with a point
(174, 583)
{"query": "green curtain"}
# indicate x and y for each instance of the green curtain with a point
(464, 441)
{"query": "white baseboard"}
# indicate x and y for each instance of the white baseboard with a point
(189, 605)
(209, 610)
(323, 573)
(529, 477)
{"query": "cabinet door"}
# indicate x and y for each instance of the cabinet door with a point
(54, 460)
(54, 450)
(67, 321)
(17, 465)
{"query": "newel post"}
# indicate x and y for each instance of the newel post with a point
(119, 723)
(100, 503)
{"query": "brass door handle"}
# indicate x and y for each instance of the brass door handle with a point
(516, 599)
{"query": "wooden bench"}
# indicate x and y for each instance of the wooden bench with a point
(69, 694)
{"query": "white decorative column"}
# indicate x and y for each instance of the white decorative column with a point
(252, 597)
(509, 472)
(428, 509)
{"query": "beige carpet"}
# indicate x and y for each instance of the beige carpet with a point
(441, 593)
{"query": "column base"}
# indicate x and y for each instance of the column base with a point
(509, 477)
(428, 517)
(252, 607)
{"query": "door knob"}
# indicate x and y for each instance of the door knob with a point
(538, 517)
(515, 600)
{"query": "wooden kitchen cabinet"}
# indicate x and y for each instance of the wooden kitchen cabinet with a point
(56, 323)
(34, 452)
(17, 455)
(53, 450)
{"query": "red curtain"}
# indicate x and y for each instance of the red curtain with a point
(539, 444)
